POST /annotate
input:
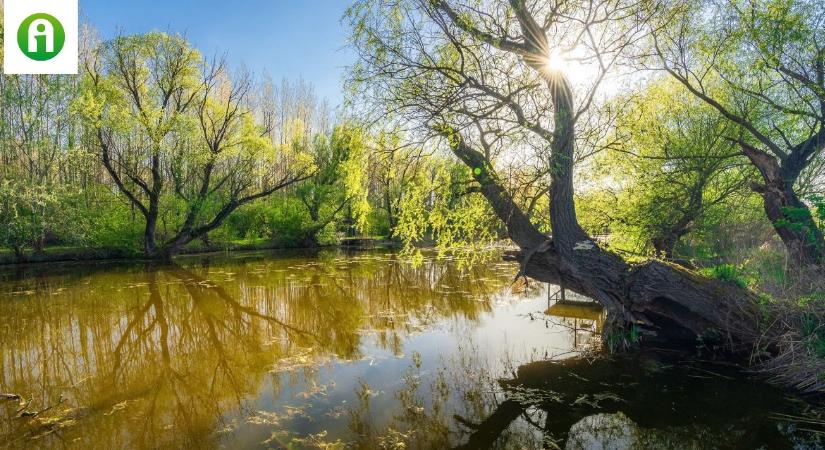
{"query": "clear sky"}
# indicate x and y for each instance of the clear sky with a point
(287, 38)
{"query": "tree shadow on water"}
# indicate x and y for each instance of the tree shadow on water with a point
(640, 401)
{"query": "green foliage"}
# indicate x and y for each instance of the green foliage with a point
(25, 213)
(818, 209)
(440, 208)
(813, 299)
(181, 138)
(288, 222)
(805, 218)
(623, 338)
(378, 223)
(251, 222)
(340, 181)
(729, 273)
(669, 175)
(289, 225)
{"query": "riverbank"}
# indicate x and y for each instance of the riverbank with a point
(85, 254)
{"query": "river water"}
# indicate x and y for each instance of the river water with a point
(349, 350)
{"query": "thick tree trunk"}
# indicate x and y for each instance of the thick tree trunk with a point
(665, 303)
(150, 248)
(665, 243)
(791, 218)
(793, 222)
(664, 246)
(566, 229)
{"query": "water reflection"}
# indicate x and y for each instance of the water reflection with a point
(641, 401)
(332, 351)
(157, 356)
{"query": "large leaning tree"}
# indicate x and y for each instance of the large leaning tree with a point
(484, 78)
(179, 137)
(761, 65)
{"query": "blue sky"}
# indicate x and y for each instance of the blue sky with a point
(287, 38)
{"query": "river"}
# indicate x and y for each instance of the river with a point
(349, 350)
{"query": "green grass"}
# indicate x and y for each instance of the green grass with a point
(728, 273)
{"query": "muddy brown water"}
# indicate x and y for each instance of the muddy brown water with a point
(349, 350)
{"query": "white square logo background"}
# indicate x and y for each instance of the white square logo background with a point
(15, 12)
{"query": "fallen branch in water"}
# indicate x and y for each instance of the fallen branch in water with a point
(27, 413)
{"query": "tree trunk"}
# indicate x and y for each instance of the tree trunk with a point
(663, 246)
(793, 222)
(19, 253)
(39, 244)
(664, 303)
(790, 217)
(150, 248)
(391, 219)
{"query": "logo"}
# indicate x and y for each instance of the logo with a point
(46, 33)
(41, 37)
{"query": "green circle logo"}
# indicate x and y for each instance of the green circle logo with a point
(41, 37)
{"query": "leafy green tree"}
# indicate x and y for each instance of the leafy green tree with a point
(24, 213)
(393, 167)
(761, 65)
(443, 205)
(337, 182)
(668, 168)
(38, 141)
(178, 137)
(479, 78)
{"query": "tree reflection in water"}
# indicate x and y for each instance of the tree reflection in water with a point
(157, 356)
(651, 400)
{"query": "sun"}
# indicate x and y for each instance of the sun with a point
(573, 63)
(582, 69)
(556, 62)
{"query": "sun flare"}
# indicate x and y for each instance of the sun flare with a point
(556, 62)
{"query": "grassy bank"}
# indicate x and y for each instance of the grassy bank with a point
(71, 254)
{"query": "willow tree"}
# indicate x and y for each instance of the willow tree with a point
(485, 79)
(393, 170)
(669, 169)
(761, 65)
(337, 183)
(178, 137)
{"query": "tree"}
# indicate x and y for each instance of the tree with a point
(25, 213)
(392, 170)
(37, 139)
(481, 76)
(174, 129)
(671, 166)
(761, 65)
(339, 159)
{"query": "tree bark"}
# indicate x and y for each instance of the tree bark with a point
(793, 222)
(790, 217)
